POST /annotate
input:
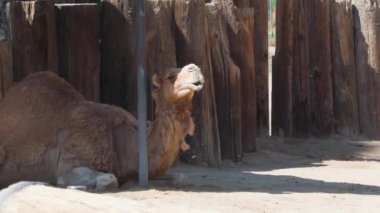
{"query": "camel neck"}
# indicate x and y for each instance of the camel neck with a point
(166, 135)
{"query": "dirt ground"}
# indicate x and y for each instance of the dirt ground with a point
(334, 175)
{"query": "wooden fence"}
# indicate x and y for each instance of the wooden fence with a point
(93, 46)
(327, 68)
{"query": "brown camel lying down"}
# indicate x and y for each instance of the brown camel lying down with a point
(49, 133)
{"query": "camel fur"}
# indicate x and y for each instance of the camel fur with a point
(47, 129)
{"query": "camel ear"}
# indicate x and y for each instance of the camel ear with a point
(156, 81)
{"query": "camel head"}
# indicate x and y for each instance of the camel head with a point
(177, 85)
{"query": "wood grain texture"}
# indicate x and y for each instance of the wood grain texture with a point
(227, 83)
(283, 69)
(343, 68)
(301, 114)
(6, 72)
(260, 40)
(118, 54)
(367, 45)
(242, 53)
(79, 45)
(302, 75)
(33, 33)
(322, 114)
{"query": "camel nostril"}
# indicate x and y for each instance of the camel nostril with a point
(198, 83)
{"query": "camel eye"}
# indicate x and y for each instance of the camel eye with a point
(172, 77)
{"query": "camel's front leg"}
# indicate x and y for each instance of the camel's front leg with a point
(86, 178)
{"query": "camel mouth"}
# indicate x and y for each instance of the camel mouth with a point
(196, 86)
(198, 83)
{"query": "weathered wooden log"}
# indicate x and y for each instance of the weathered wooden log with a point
(367, 46)
(6, 72)
(118, 54)
(227, 83)
(244, 3)
(302, 82)
(33, 33)
(301, 109)
(242, 53)
(320, 68)
(79, 47)
(160, 35)
(4, 25)
(343, 68)
(260, 36)
(283, 69)
(192, 46)
(261, 65)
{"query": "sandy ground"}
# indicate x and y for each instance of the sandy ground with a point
(334, 175)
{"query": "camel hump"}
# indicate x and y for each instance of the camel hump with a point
(52, 82)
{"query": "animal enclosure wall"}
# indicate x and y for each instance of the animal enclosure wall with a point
(92, 44)
(326, 68)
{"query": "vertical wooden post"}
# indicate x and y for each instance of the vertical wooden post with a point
(6, 62)
(79, 46)
(33, 34)
(227, 83)
(302, 75)
(160, 35)
(301, 109)
(260, 34)
(118, 48)
(320, 68)
(242, 53)
(367, 46)
(283, 69)
(343, 67)
(193, 47)
(6, 74)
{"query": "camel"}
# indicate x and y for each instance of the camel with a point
(50, 133)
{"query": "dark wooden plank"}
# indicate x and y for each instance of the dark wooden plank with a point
(6, 72)
(261, 65)
(301, 109)
(192, 46)
(160, 35)
(343, 67)
(260, 36)
(367, 46)
(283, 69)
(227, 83)
(118, 54)
(244, 3)
(33, 33)
(79, 47)
(242, 53)
(4, 25)
(302, 75)
(320, 68)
